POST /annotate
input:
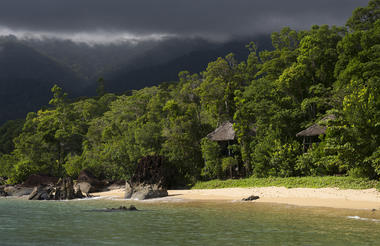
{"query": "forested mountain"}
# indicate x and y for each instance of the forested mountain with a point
(152, 73)
(29, 68)
(26, 77)
(326, 78)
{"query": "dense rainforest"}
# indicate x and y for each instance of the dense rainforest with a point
(269, 97)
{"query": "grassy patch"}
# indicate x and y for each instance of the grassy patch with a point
(292, 182)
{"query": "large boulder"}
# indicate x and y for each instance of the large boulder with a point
(148, 191)
(150, 179)
(84, 187)
(144, 191)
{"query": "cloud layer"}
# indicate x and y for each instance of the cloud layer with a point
(105, 20)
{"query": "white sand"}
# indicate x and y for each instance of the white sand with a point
(324, 197)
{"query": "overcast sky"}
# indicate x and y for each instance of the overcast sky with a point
(112, 20)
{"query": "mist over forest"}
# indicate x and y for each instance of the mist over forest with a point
(30, 67)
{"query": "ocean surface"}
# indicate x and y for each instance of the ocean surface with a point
(84, 222)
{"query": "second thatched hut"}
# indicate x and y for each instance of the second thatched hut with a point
(311, 134)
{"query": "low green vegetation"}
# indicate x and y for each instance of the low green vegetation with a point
(292, 182)
(269, 98)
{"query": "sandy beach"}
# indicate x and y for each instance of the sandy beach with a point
(324, 197)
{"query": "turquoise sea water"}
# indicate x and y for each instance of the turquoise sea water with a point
(182, 223)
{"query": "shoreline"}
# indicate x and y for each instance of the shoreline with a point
(367, 199)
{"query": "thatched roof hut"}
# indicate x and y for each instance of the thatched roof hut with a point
(316, 129)
(310, 134)
(225, 132)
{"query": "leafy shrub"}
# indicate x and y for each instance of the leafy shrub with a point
(284, 157)
(21, 171)
(228, 163)
(261, 166)
(374, 160)
(73, 165)
(211, 155)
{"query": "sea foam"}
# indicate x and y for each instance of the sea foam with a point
(360, 218)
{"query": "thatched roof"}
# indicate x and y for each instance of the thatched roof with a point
(225, 132)
(316, 129)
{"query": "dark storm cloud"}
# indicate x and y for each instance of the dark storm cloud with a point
(216, 19)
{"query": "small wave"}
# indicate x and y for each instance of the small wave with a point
(114, 198)
(85, 199)
(152, 200)
(360, 218)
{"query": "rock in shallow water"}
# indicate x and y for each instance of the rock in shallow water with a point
(123, 208)
(119, 209)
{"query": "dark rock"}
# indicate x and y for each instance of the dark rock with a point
(64, 189)
(41, 193)
(119, 209)
(148, 191)
(36, 180)
(46, 194)
(122, 208)
(78, 193)
(251, 198)
(86, 176)
(152, 170)
(150, 179)
(2, 192)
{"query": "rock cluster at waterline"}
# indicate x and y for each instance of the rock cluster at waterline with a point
(64, 190)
